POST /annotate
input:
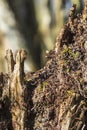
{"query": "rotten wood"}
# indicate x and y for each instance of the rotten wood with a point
(54, 97)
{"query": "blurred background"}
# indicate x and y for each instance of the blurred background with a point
(32, 25)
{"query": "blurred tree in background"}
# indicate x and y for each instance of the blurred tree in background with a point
(33, 25)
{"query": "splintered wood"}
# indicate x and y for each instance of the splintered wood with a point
(16, 87)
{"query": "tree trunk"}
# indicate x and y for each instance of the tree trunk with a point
(55, 97)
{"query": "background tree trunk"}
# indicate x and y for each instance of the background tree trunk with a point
(32, 25)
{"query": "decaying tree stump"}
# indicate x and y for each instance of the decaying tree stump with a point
(55, 97)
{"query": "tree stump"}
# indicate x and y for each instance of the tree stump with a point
(54, 97)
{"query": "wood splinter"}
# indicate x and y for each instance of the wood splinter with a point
(16, 74)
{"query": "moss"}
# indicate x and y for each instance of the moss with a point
(68, 70)
(69, 93)
(66, 50)
(69, 58)
(76, 55)
(65, 62)
(66, 67)
(42, 87)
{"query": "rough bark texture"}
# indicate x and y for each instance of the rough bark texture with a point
(55, 97)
